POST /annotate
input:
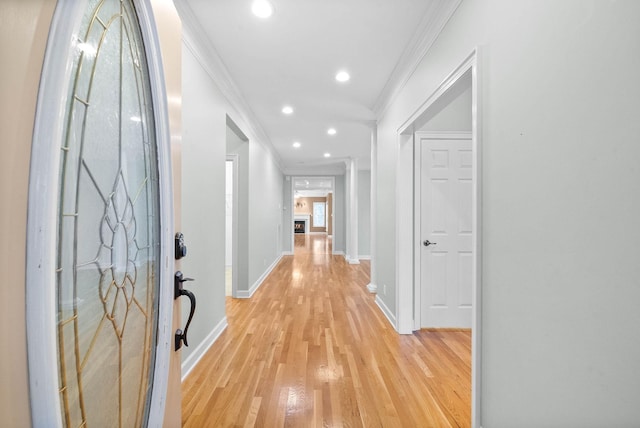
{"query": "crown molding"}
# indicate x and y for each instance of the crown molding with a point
(195, 39)
(436, 17)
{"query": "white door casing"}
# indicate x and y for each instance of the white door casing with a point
(57, 91)
(406, 244)
(444, 165)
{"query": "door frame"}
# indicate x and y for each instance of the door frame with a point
(233, 158)
(432, 135)
(293, 202)
(405, 226)
(42, 216)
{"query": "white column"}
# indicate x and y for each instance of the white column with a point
(347, 210)
(373, 284)
(353, 213)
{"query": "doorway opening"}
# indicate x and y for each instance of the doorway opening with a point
(236, 209)
(312, 208)
(410, 237)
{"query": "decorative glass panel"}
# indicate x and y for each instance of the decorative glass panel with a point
(108, 226)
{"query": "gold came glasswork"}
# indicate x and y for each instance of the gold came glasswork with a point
(108, 225)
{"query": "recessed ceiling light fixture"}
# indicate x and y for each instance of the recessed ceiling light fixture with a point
(296, 145)
(262, 8)
(342, 76)
(331, 131)
(287, 110)
(327, 155)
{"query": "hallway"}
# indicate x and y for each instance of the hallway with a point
(311, 348)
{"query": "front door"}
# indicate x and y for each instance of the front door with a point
(100, 221)
(446, 255)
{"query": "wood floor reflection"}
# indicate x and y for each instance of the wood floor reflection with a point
(312, 349)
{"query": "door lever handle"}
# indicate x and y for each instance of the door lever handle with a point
(178, 290)
(427, 243)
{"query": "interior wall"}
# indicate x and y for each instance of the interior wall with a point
(330, 214)
(203, 196)
(456, 116)
(265, 218)
(339, 212)
(364, 214)
(559, 157)
(24, 28)
(287, 215)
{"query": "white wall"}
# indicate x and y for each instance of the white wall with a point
(560, 198)
(339, 216)
(364, 213)
(265, 218)
(287, 215)
(455, 116)
(203, 195)
(206, 110)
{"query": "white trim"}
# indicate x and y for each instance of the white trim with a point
(404, 234)
(292, 179)
(41, 316)
(287, 253)
(405, 244)
(233, 158)
(437, 17)
(194, 358)
(353, 261)
(165, 342)
(364, 257)
(247, 294)
(373, 288)
(386, 311)
(338, 253)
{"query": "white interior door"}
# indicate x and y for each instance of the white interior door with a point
(446, 251)
(100, 223)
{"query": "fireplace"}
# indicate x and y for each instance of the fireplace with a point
(299, 226)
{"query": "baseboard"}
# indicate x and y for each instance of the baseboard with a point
(386, 311)
(192, 360)
(246, 294)
(353, 261)
(373, 288)
(364, 257)
(338, 253)
(287, 253)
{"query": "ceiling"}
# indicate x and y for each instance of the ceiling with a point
(292, 58)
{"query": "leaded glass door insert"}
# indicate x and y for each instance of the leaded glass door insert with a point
(108, 245)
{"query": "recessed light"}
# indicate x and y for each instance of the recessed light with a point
(327, 155)
(296, 145)
(342, 76)
(331, 131)
(262, 8)
(287, 109)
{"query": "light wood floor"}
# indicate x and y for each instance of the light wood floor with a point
(312, 349)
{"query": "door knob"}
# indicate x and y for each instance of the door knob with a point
(427, 243)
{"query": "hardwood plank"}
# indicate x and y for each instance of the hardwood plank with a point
(311, 348)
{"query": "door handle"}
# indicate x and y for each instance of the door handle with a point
(178, 290)
(427, 243)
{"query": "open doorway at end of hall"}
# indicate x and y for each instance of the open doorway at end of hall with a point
(313, 207)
